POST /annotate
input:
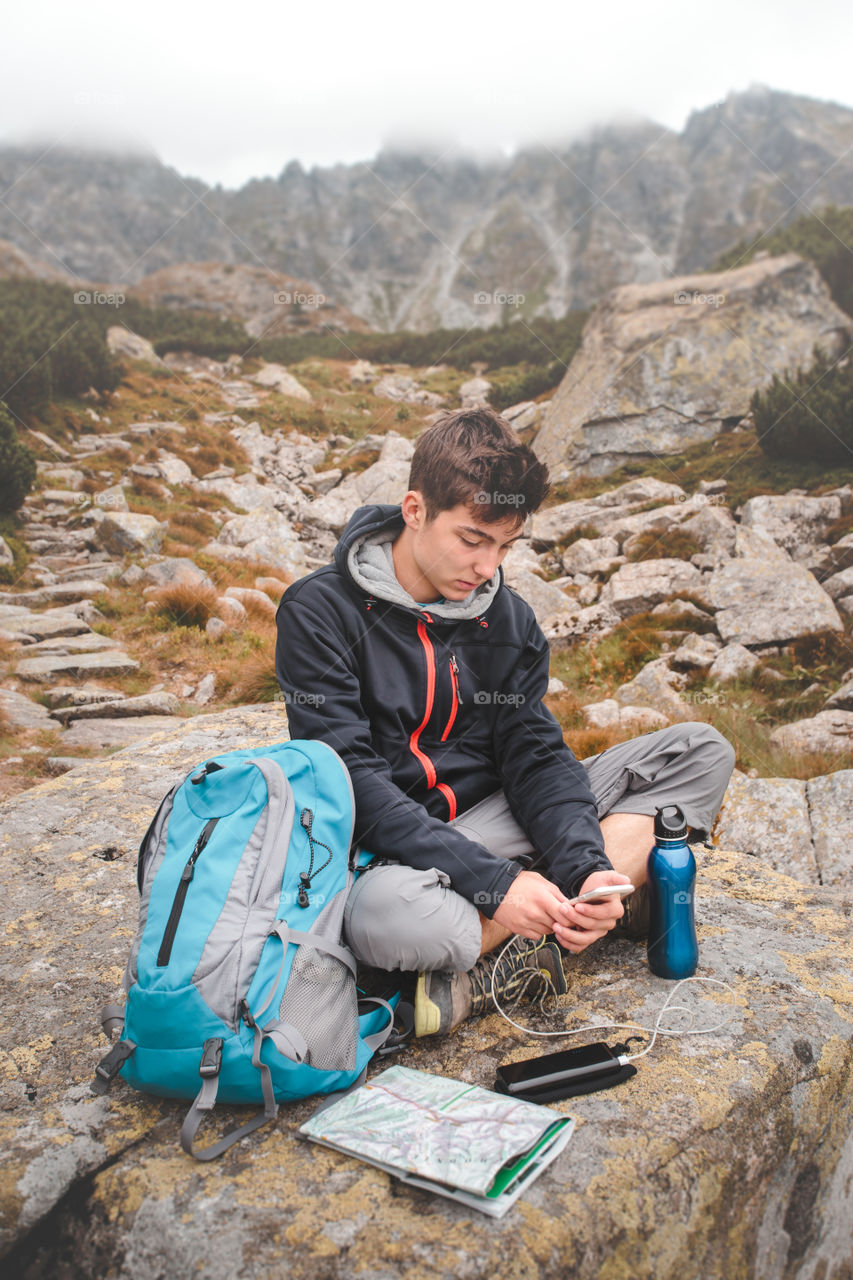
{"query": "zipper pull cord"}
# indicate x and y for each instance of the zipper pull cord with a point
(306, 820)
(455, 668)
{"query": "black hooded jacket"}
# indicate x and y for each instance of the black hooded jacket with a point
(431, 716)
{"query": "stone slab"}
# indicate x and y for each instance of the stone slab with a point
(727, 1156)
(768, 818)
(110, 663)
(830, 800)
(114, 731)
(22, 713)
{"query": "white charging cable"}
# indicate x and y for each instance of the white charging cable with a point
(654, 1031)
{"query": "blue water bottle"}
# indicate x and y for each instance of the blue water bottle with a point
(672, 947)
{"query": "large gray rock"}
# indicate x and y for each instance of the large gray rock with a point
(842, 698)
(98, 1186)
(768, 818)
(88, 642)
(277, 378)
(265, 536)
(173, 571)
(543, 597)
(839, 584)
(383, 481)
(669, 364)
(103, 734)
(587, 555)
(658, 687)
(635, 588)
(828, 731)
(794, 521)
(761, 596)
(127, 532)
(696, 653)
(28, 628)
(556, 523)
(123, 342)
(20, 712)
(56, 593)
(112, 662)
(830, 800)
(610, 714)
(160, 703)
(733, 662)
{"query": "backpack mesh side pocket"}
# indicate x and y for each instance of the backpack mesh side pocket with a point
(320, 999)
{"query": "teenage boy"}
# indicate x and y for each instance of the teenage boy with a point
(411, 656)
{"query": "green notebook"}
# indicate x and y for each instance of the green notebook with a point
(475, 1146)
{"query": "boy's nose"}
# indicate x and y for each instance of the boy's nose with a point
(486, 564)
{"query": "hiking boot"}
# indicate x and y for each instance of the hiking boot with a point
(634, 924)
(530, 969)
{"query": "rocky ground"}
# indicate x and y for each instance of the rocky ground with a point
(153, 552)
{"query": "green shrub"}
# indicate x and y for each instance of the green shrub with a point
(17, 465)
(51, 345)
(808, 415)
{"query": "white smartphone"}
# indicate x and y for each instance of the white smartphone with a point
(603, 892)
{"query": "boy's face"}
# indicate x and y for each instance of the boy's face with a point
(454, 553)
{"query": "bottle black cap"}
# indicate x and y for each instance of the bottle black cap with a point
(670, 823)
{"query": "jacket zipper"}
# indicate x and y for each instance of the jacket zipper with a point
(457, 696)
(171, 929)
(426, 763)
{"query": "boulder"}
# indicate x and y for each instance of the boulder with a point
(111, 499)
(587, 555)
(385, 480)
(543, 597)
(828, 732)
(123, 342)
(396, 386)
(637, 587)
(559, 522)
(830, 800)
(20, 712)
(658, 687)
(768, 818)
(831, 560)
(98, 1186)
(112, 662)
(127, 532)
(610, 714)
(173, 469)
(761, 596)
(696, 653)
(672, 363)
(251, 598)
(733, 662)
(839, 584)
(206, 687)
(27, 628)
(6, 556)
(104, 734)
(67, 477)
(362, 373)
(56, 593)
(173, 571)
(147, 704)
(230, 611)
(842, 699)
(475, 392)
(794, 521)
(277, 378)
(713, 528)
(262, 535)
(87, 642)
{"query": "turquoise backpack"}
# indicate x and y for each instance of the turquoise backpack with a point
(239, 987)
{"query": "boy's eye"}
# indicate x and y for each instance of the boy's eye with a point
(467, 543)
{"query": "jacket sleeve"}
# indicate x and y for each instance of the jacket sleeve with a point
(546, 787)
(320, 683)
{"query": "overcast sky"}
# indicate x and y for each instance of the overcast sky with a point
(225, 92)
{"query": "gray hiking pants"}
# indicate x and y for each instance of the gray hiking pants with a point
(397, 917)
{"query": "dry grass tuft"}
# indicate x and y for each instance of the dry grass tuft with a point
(257, 681)
(186, 604)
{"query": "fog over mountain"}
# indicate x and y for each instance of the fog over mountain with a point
(417, 238)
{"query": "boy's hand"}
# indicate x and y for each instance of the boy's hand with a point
(532, 906)
(586, 922)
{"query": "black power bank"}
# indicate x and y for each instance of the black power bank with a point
(561, 1075)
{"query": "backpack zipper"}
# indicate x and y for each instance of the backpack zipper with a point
(180, 895)
(457, 695)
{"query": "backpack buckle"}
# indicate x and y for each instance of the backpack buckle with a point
(211, 1058)
(110, 1066)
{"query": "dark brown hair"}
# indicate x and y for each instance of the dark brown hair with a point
(474, 456)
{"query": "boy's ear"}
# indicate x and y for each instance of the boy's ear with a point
(413, 508)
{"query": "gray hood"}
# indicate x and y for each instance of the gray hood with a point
(371, 564)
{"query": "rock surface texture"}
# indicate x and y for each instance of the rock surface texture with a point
(727, 1156)
(665, 365)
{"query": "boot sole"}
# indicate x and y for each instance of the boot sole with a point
(427, 1014)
